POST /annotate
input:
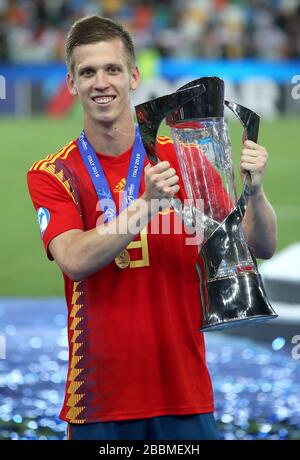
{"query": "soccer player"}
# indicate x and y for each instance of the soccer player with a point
(137, 366)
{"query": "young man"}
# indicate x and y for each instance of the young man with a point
(137, 365)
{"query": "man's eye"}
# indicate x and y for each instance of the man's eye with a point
(87, 72)
(113, 69)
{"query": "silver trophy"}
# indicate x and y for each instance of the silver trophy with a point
(232, 292)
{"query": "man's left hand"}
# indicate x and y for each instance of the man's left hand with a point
(254, 159)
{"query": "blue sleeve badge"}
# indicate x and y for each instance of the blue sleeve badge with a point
(44, 219)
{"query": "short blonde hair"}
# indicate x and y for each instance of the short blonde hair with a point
(93, 29)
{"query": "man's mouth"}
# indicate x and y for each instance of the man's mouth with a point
(103, 100)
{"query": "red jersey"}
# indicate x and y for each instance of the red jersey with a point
(135, 350)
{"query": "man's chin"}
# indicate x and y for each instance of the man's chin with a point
(104, 118)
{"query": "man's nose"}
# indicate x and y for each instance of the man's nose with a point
(101, 81)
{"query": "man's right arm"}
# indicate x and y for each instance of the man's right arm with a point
(80, 253)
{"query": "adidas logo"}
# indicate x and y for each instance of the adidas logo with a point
(120, 185)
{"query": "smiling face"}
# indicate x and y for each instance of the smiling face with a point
(102, 76)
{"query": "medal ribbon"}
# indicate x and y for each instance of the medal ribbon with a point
(97, 175)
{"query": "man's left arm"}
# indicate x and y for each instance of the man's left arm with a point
(259, 223)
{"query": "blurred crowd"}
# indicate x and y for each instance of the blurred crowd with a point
(35, 30)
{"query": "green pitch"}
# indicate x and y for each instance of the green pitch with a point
(25, 270)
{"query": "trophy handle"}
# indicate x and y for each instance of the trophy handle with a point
(151, 113)
(250, 121)
(248, 118)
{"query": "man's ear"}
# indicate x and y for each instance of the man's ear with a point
(135, 78)
(71, 85)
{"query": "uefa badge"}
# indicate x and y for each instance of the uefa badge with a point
(44, 219)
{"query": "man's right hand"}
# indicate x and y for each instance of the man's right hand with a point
(161, 182)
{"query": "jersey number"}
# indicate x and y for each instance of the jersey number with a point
(143, 245)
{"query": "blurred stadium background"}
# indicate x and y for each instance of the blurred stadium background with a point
(255, 47)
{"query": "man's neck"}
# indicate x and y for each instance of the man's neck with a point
(112, 140)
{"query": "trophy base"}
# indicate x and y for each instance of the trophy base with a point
(228, 324)
(235, 301)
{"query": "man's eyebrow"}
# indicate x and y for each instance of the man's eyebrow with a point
(85, 67)
(82, 68)
(113, 64)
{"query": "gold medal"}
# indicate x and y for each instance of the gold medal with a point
(123, 259)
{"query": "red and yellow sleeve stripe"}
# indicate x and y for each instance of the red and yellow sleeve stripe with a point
(62, 154)
(164, 140)
(48, 165)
